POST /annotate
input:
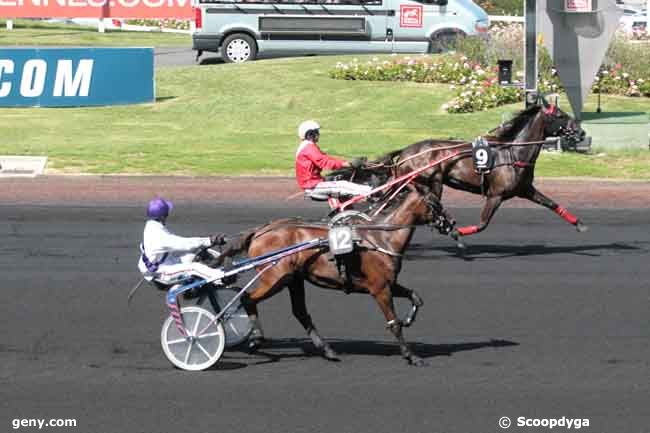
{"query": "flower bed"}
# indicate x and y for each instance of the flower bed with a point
(475, 83)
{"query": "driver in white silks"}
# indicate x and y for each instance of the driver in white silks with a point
(310, 161)
(167, 258)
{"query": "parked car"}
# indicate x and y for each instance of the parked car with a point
(633, 22)
(240, 30)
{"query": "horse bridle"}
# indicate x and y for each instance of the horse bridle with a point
(557, 128)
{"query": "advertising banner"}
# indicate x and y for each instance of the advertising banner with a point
(410, 16)
(577, 5)
(96, 9)
(73, 77)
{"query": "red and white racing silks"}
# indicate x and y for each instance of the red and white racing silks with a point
(167, 257)
(310, 161)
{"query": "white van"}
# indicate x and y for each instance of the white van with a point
(240, 29)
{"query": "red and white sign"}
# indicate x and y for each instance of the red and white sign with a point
(577, 5)
(409, 15)
(96, 9)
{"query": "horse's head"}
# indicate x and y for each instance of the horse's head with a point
(426, 206)
(557, 123)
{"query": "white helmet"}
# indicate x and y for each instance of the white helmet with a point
(306, 126)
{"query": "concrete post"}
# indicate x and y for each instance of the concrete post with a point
(530, 50)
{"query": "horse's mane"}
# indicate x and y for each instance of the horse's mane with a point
(510, 129)
(388, 158)
(395, 202)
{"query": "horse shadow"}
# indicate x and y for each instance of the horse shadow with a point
(275, 350)
(492, 252)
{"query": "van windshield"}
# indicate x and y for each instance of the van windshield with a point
(304, 2)
(432, 2)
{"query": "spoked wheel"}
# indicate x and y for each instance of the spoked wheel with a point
(236, 322)
(201, 348)
(349, 216)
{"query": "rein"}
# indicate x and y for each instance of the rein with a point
(516, 143)
(430, 150)
(491, 142)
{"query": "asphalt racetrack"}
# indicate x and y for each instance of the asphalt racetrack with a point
(535, 321)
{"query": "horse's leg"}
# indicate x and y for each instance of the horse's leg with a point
(400, 291)
(265, 289)
(489, 208)
(299, 309)
(447, 223)
(256, 337)
(537, 197)
(385, 300)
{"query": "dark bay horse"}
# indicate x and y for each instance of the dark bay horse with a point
(517, 145)
(372, 268)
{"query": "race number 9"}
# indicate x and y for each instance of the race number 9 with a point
(481, 157)
(340, 240)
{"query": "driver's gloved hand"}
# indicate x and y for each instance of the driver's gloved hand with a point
(229, 280)
(357, 162)
(218, 239)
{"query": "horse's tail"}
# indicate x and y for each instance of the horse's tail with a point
(239, 244)
(242, 241)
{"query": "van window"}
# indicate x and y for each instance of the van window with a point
(313, 2)
(432, 2)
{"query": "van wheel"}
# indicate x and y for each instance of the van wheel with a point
(238, 48)
(445, 40)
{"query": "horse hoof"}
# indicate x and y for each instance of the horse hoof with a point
(580, 227)
(254, 344)
(416, 361)
(331, 355)
(415, 298)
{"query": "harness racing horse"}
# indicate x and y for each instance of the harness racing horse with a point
(371, 268)
(516, 146)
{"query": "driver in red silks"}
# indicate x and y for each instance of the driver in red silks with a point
(310, 161)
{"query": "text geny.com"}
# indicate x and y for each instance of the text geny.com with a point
(40, 423)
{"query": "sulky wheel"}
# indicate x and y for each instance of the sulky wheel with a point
(348, 217)
(201, 348)
(236, 322)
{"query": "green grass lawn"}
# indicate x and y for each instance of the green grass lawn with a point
(242, 119)
(38, 33)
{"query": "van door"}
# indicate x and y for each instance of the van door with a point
(379, 16)
(326, 26)
(410, 25)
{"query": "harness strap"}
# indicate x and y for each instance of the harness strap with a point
(506, 157)
(375, 247)
(151, 266)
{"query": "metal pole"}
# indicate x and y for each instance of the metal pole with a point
(530, 51)
(10, 24)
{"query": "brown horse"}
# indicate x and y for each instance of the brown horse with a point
(371, 268)
(517, 145)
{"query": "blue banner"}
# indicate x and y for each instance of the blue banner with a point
(74, 77)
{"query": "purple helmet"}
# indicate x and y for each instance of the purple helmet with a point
(159, 208)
